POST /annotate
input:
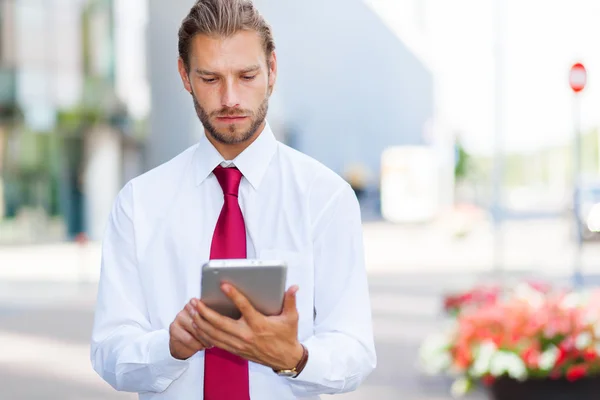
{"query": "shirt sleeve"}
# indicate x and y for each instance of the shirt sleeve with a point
(342, 350)
(125, 351)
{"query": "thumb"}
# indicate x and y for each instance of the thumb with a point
(289, 301)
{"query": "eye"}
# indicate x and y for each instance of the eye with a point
(248, 77)
(209, 80)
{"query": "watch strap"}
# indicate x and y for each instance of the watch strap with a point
(302, 362)
(298, 368)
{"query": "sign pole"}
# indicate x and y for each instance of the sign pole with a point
(577, 81)
(577, 277)
(498, 166)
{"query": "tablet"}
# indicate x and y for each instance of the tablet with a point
(261, 281)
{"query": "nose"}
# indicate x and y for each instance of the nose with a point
(230, 96)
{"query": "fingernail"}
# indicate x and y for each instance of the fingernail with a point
(226, 288)
(191, 310)
(194, 325)
(194, 302)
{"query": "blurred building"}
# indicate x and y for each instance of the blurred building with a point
(65, 135)
(348, 86)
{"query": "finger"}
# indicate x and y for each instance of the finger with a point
(188, 327)
(241, 302)
(217, 320)
(289, 301)
(231, 349)
(219, 338)
(190, 323)
(186, 339)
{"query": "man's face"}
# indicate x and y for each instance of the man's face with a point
(230, 81)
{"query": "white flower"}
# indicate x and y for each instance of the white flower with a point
(435, 343)
(586, 296)
(548, 358)
(576, 299)
(583, 341)
(434, 354)
(590, 317)
(597, 330)
(532, 296)
(460, 387)
(516, 368)
(505, 362)
(439, 363)
(571, 300)
(498, 364)
(483, 358)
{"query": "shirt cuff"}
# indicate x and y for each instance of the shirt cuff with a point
(164, 366)
(317, 367)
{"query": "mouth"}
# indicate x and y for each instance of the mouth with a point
(231, 119)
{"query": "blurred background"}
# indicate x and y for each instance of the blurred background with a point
(460, 124)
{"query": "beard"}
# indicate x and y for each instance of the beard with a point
(233, 134)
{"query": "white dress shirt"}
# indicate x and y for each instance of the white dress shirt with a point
(159, 235)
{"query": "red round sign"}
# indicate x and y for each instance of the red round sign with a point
(577, 77)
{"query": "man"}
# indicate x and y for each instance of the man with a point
(238, 193)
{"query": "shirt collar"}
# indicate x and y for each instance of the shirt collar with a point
(252, 162)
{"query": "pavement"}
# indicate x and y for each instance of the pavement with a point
(45, 329)
(47, 297)
(446, 246)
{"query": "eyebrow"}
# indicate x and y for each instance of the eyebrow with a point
(252, 68)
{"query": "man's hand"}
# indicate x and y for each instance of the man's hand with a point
(271, 341)
(185, 340)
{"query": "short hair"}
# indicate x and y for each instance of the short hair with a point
(223, 18)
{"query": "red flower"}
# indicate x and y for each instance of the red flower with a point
(488, 380)
(589, 355)
(515, 337)
(497, 340)
(474, 298)
(531, 357)
(542, 287)
(568, 344)
(466, 297)
(462, 357)
(489, 315)
(562, 355)
(576, 372)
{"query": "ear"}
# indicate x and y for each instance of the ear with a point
(272, 71)
(185, 78)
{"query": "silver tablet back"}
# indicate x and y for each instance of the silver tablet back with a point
(262, 282)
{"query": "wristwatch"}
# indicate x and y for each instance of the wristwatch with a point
(294, 372)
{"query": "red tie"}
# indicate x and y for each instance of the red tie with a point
(225, 374)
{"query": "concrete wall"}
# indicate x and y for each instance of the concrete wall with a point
(102, 178)
(173, 121)
(347, 86)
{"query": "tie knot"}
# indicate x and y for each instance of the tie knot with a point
(229, 179)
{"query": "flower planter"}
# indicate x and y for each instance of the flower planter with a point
(546, 340)
(545, 389)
